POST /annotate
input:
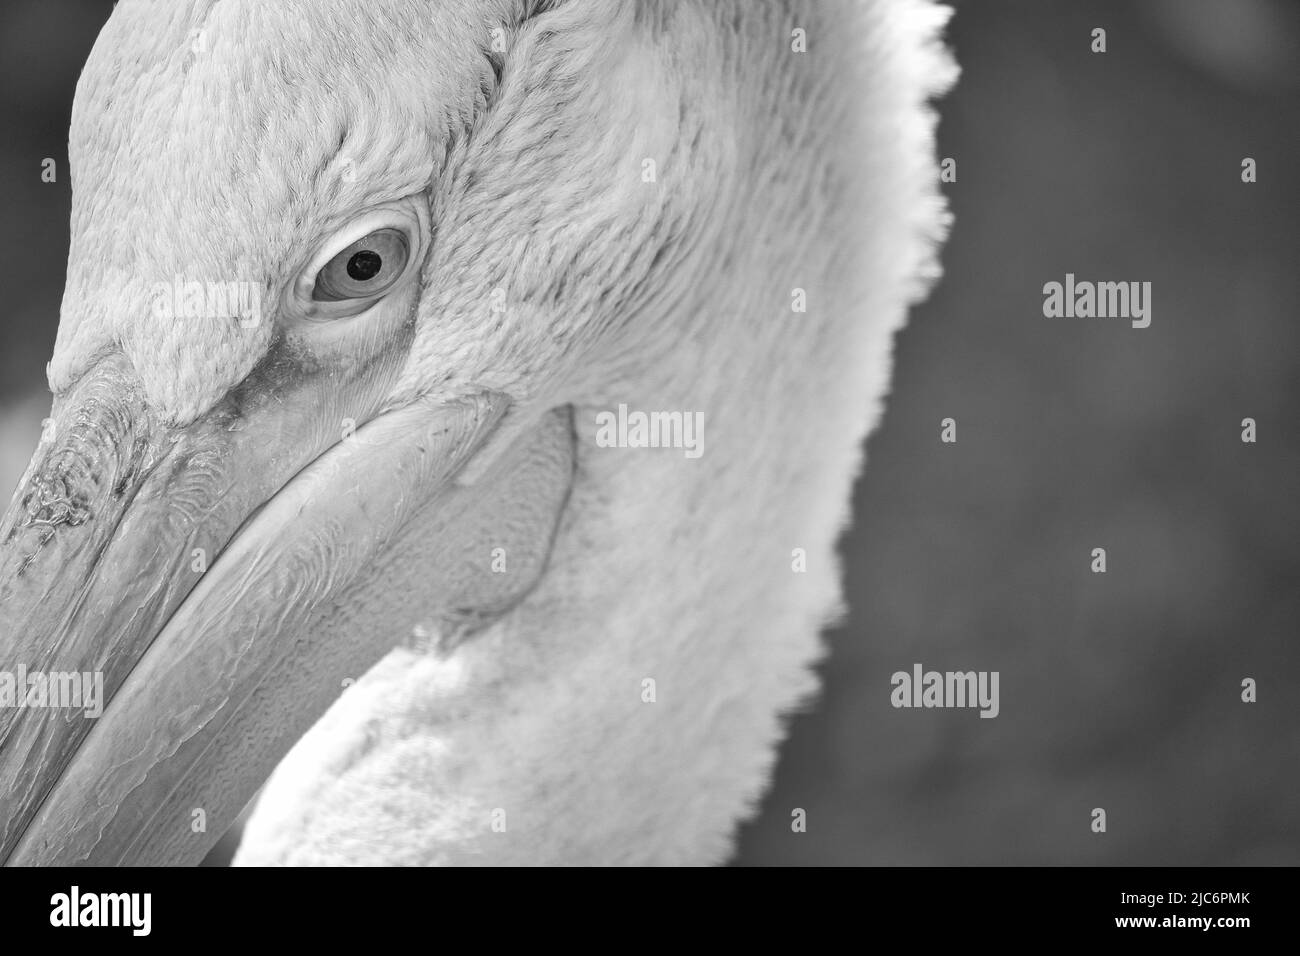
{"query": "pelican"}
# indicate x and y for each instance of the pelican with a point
(321, 499)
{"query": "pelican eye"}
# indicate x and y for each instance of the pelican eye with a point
(352, 271)
(367, 268)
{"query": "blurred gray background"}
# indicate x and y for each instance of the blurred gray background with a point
(1119, 690)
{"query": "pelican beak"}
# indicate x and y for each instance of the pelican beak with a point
(179, 604)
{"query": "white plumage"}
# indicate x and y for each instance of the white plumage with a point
(664, 568)
(646, 190)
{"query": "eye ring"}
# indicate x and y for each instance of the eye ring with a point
(366, 269)
(361, 264)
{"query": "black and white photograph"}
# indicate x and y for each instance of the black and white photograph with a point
(831, 434)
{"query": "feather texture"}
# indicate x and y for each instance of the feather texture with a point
(775, 171)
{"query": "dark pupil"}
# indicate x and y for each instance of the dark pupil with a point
(365, 265)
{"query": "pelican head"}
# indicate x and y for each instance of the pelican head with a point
(348, 287)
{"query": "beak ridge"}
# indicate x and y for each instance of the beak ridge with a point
(211, 677)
